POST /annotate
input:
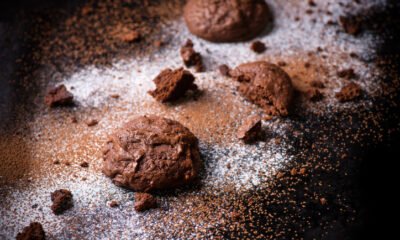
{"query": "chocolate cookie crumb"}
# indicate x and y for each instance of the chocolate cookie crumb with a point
(62, 200)
(265, 84)
(58, 96)
(350, 25)
(250, 130)
(258, 46)
(224, 70)
(349, 92)
(92, 122)
(311, 3)
(131, 36)
(191, 57)
(32, 232)
(314, 95)
(113, 204)
(144, 201)
(317, 84)
(346, 73)
(84, 165)
(116, 96)
(56, 162)
(172, 84)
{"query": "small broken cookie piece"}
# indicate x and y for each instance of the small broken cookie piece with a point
(144, 201)
(224, 70)
(62, 200)
(250, 130)
(258, 46)
(191, 57)
(266, 85)
(349, 92)
(314, 95)
(350, 25)
(131, 36)
(57, 96)
(172, 84)
(32, 232)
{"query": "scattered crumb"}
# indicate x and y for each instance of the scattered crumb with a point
(62, 200)
(144, 201)
(258, 46)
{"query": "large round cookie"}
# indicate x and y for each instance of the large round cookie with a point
(226, 20)
(150, 153)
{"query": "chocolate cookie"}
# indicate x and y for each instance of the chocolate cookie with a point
(226, 20)
(265, 84)
(149, 153)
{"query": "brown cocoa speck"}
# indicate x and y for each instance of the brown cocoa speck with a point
(113, 204)
(86, 11)
(84, 165)
(235, 216)
(131, 36)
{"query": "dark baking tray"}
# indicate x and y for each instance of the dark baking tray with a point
(363, 188)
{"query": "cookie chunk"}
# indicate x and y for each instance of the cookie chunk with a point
(250, 130)
(172, 84)
(226, 20)
(349, 92)
(58, 95)
(150, 153)
(33, 231)
(144, 201)
(266, 85)
(191, 57)
(62, 200)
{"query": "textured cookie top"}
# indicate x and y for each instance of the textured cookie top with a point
(226, 20)
(150, 153)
